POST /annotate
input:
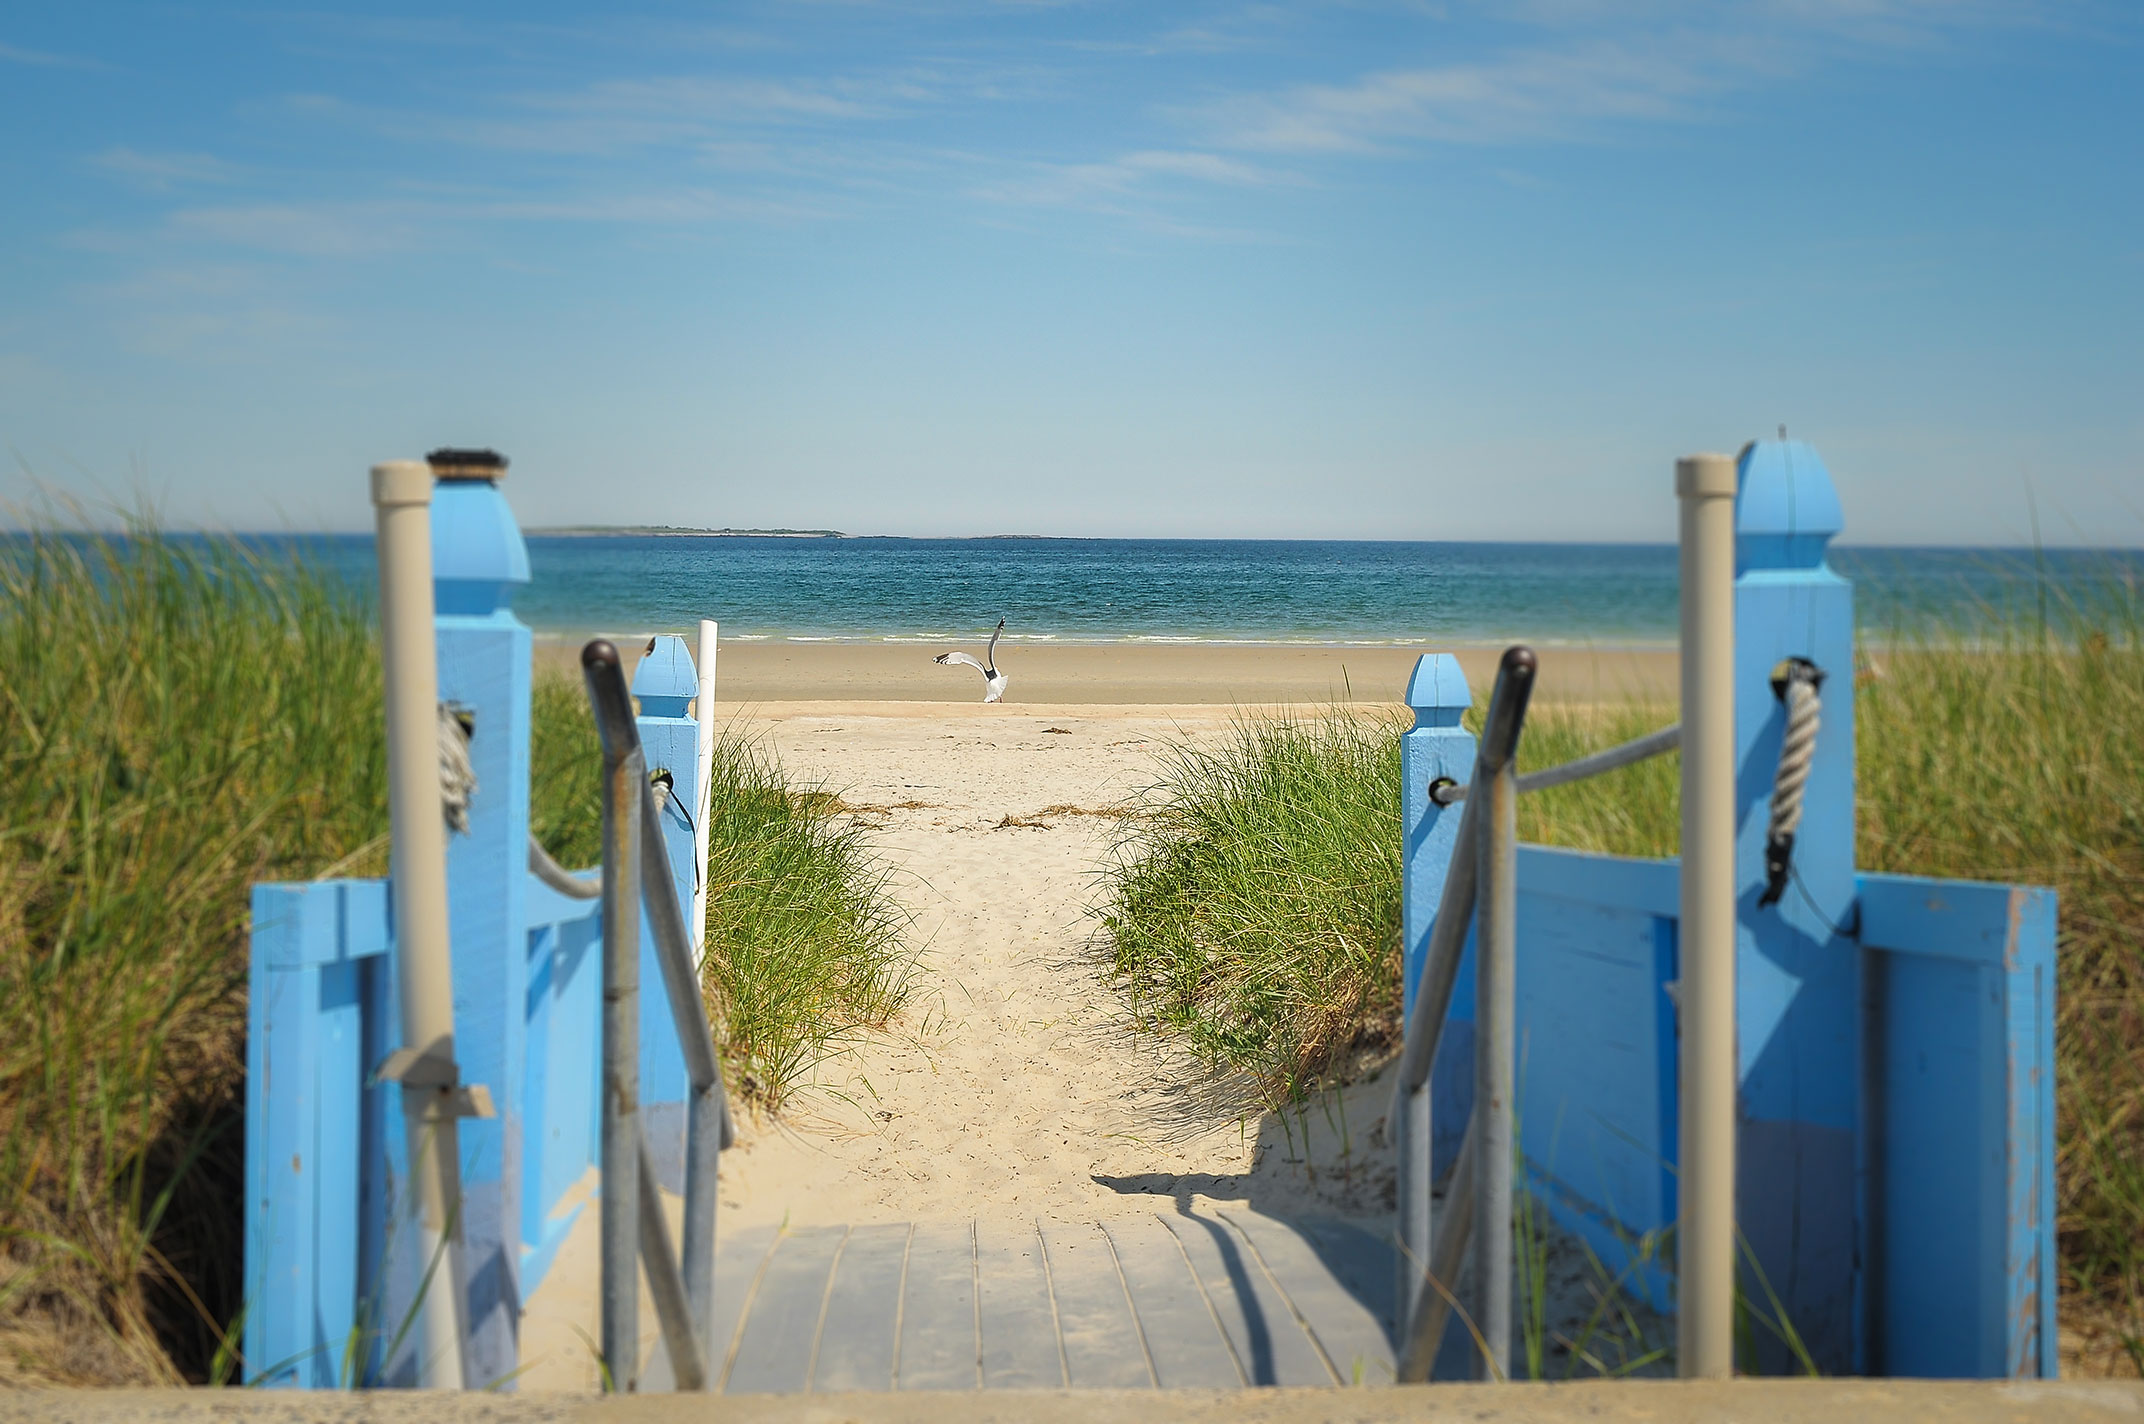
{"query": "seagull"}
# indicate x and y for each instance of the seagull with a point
(994, 682)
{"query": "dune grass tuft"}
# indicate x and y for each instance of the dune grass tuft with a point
(1253, 905)
(180, 718)
(176, 721)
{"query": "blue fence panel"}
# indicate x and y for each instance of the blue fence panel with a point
(563, 1044)
(1597, 1052)
(313, 982)
(1961, 980)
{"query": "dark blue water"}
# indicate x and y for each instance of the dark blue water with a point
(1072, 590)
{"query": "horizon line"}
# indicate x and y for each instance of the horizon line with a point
(808, 535)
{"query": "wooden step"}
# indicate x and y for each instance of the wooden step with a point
(1177, 1300)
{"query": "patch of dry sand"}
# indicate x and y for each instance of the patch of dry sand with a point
(1153, 676)
(1013, 1087)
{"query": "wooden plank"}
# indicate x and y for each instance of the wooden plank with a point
(1953, 919)
(863, 1311)
(1326, 1276)
(1184, 1339)
(782, 1322)
(939, 1349)
(1648, 887)
(1960, 981)
(1095, 1325)
(1016, 1319)
(739, 1258)
(1270, 1343)
(1597, 1112)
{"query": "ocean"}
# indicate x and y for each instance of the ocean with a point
(1223, 591)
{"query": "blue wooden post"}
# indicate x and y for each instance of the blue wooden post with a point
(484, 667)
(1437, 746)
(665, 682)
(1798, 989)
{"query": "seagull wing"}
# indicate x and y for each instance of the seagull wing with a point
(990, 655)
(964, 660)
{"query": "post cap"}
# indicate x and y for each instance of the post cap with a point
(666, 679)
(1706, 476)
(401, 482)
(1437, 692)
(1788, 508)
(451, 464)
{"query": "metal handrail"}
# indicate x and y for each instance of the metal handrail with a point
(1483, 870)
(636, 874)
(1448, 932)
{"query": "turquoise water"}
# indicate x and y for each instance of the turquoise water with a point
(1262, 591)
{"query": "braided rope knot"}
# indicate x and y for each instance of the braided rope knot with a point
(457, 775)
(1797, 687)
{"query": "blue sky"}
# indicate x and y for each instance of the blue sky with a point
(1366, 269)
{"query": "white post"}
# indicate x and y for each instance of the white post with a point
(704, 706)
(1705, 1245)
(402, 495)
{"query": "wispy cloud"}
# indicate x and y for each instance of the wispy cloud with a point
(1152, 189)
(1585, 64)
(1149, 171)
(1543, 94)
(42, 59)
(325, 229)
(161, 172)
(347, 230)
(623, 115)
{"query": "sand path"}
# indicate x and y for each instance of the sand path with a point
(1012, 1090)
(1012, 1087)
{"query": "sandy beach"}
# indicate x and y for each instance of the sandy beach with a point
(753, 675)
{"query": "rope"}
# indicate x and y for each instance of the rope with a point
(1653, 744)
(457, 777)
(1796, 686)
(564, 881)
(661, 777)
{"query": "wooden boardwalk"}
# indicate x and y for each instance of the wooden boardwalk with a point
(1169, 1301)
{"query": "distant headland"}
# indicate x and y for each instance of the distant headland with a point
(679, 531)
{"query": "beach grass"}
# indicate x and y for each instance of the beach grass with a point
(1239, 915)
(178, 720)
(1253, 903)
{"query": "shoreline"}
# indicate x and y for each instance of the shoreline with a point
(751, 675)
